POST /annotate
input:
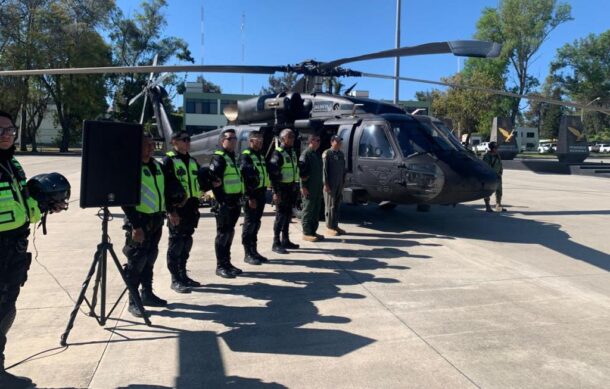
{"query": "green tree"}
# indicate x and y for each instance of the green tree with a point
(71, 40)
(582, 71)
(280, 84)
(521, 26)
(135, 42)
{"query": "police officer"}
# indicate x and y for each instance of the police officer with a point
(492, 158)
(334, 179)
(256, 180)
(228, 190)
(284, 173)
(179, 167)
(310, 167)
(17, 211)
(143, 226)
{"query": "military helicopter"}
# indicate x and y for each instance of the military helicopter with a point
(392, 157)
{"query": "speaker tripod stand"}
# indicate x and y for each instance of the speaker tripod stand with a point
(100, 264)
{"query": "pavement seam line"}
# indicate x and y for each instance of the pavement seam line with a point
(340, 265)
(99, 362)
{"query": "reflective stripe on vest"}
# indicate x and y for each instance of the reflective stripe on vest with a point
(231, 182)
(152, 190)
(187, 177)
(259, 163)
(290, 167)
(15, 211)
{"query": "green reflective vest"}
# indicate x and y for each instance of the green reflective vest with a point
(186, 176)
(152, 190)
(290, 168)
(231, 182)
(263, 177)
(15, 211)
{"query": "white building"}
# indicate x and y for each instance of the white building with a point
(527, 138)
(203, 111)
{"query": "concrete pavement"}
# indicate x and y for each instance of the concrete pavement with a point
(451, 298)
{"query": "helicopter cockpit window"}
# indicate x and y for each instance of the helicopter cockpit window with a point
(414, 137)
(374, 143)
(243, 140)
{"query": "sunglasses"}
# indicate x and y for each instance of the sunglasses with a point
(231, 137)
(8, 131)
(185, 139)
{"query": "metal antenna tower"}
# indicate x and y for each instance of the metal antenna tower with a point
(202, 34)
(243, 45)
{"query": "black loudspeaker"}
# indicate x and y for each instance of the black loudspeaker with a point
(111, 165)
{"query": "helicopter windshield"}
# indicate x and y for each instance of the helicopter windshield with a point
(449, 134)
(414, 137)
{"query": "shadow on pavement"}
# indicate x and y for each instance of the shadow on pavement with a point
(471, 222)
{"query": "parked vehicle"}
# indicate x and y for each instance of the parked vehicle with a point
(545, 148)
(594, 148)
(482, 147)
(604, 148)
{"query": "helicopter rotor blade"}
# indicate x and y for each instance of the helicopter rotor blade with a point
(153, 64)
(144, 108)
(543, 99)
(467, 48)
(134, 99)
(253, 69)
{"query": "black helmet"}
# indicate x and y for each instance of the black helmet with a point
(492, 145)
(50, 190)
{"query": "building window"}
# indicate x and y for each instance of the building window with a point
(202, 106)
(531, 135)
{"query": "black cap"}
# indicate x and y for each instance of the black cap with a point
(337, 138)
(181, 135)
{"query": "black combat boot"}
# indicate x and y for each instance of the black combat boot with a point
(188, 280)
(224, 272)
(250, 256)
(277, 247)
(488, 206)
(150, 299)
(179, 284)
(134, 310)
(287, 244)
(258, 255)
(8, 380)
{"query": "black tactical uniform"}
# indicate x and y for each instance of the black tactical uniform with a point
(223, 168)
(181, 169)
(284, 175)
(149, 216)
(17, 210)
(254, 172)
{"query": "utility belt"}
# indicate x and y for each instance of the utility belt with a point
(7, 238)
(151, 222)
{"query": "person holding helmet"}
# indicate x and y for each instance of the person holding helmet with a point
(284, 176)
(17, 210)
(492, 158)
(182, 169)
(228, 190)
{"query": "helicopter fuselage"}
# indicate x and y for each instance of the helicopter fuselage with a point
(390, 155)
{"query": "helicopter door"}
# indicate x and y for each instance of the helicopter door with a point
(376, 160)
(346, 133)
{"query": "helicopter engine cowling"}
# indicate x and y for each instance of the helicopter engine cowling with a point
(280, 109)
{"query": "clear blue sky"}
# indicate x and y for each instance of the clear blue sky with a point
(281, 32)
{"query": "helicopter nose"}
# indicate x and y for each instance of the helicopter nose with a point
(467, 180)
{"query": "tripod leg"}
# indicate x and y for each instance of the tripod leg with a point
(96, 284)
(79, 301)
(133, 291)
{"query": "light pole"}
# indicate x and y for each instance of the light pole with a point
(397, 59)
(582, 110)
